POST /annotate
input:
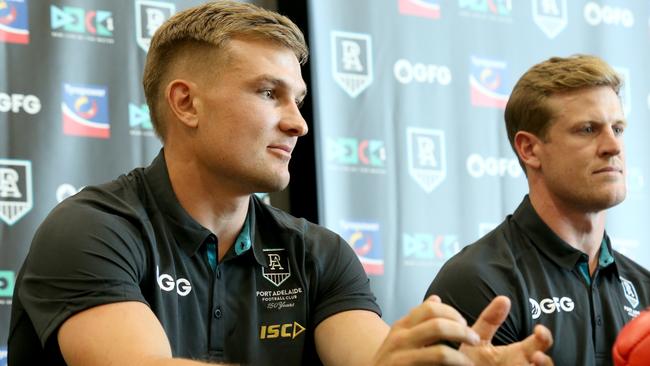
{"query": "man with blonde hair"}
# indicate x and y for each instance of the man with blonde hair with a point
(552, 257)
(180, 263)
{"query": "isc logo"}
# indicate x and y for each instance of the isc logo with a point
(281, 331)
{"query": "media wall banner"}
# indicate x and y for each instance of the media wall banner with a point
(413, 158)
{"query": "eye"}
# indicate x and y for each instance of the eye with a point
(587, 129)
(618, 130)
(267, 93)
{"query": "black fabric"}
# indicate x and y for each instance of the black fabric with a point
(526, 261)
(130, 240)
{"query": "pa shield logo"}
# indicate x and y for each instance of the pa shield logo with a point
(352, 61)
(14, 27)
(277, 269)
(630, 292)
(85, 110)
(149, 16)
(420, 8)
(550, 16)
(426, 157)
(487, 80)
(365, 240)
(15, 189)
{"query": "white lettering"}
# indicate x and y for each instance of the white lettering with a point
(551, 305)
(596, 14)
(479, 166)
(351, 56)
(405, 72)
(166, 283)
(8, 183)
(15, 102)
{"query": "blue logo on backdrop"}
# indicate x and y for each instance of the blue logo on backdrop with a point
(3, 356)
(13, 21)
(140, 120)
(80, 24)
(498, 10)
(424, 249)
(364, 238)
(85, 110)
(488, 83)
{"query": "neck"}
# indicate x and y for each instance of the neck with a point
(206, 199)
(583, 231)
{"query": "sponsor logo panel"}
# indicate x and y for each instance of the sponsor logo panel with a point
(351, 154)
(488, 83)
(365, 240)
(596, 14)
(14, 25)
(140, 120)
(17, 103)
(495, 10)
(426, 249)
(407, 72)
(427, 163)
(352, 61)
(7, 282)
(15, 189)
(82, 24)
(479, 166)
(3, 356)
(149, 16)
(420, 8)
(85, 110)
(550, 16)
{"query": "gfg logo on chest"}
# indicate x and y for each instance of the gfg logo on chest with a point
(167, 283)
(551, 305)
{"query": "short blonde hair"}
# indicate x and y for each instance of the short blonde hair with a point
(527, 109)
(210, 26)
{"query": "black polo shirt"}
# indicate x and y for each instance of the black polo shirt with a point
(130, 240)
(544, 278)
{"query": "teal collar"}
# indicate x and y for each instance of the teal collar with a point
(605, 258)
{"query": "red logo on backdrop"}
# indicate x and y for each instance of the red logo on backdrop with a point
(420, 8)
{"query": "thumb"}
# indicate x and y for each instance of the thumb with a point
(492, 317)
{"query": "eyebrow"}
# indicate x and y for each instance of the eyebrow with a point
(278, 82)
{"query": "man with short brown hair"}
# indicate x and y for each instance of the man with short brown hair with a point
(179, 263)
(552, 257)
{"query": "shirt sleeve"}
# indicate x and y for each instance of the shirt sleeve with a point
(338, 281)
(470, 281)
(81, 257)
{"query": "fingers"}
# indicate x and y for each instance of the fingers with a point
(538, 342)
(541, 359)
(441, 330)
(491, 317)
(432, 308)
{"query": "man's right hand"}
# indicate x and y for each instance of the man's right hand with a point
(418, 337)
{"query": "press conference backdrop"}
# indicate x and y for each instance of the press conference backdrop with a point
(72, 110)
(413, 158)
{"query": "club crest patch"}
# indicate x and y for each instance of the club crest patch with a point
(277, 271)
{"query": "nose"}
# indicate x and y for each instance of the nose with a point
(292, 121)
(611, 144)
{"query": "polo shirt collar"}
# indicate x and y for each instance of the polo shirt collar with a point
(552, 245)
(189, 234)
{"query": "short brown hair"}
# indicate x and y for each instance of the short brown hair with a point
(210, 26)
(527, 109)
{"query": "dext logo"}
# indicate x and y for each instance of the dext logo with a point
(287, 330)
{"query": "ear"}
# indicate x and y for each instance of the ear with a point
(527, 147)
(180, 96)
